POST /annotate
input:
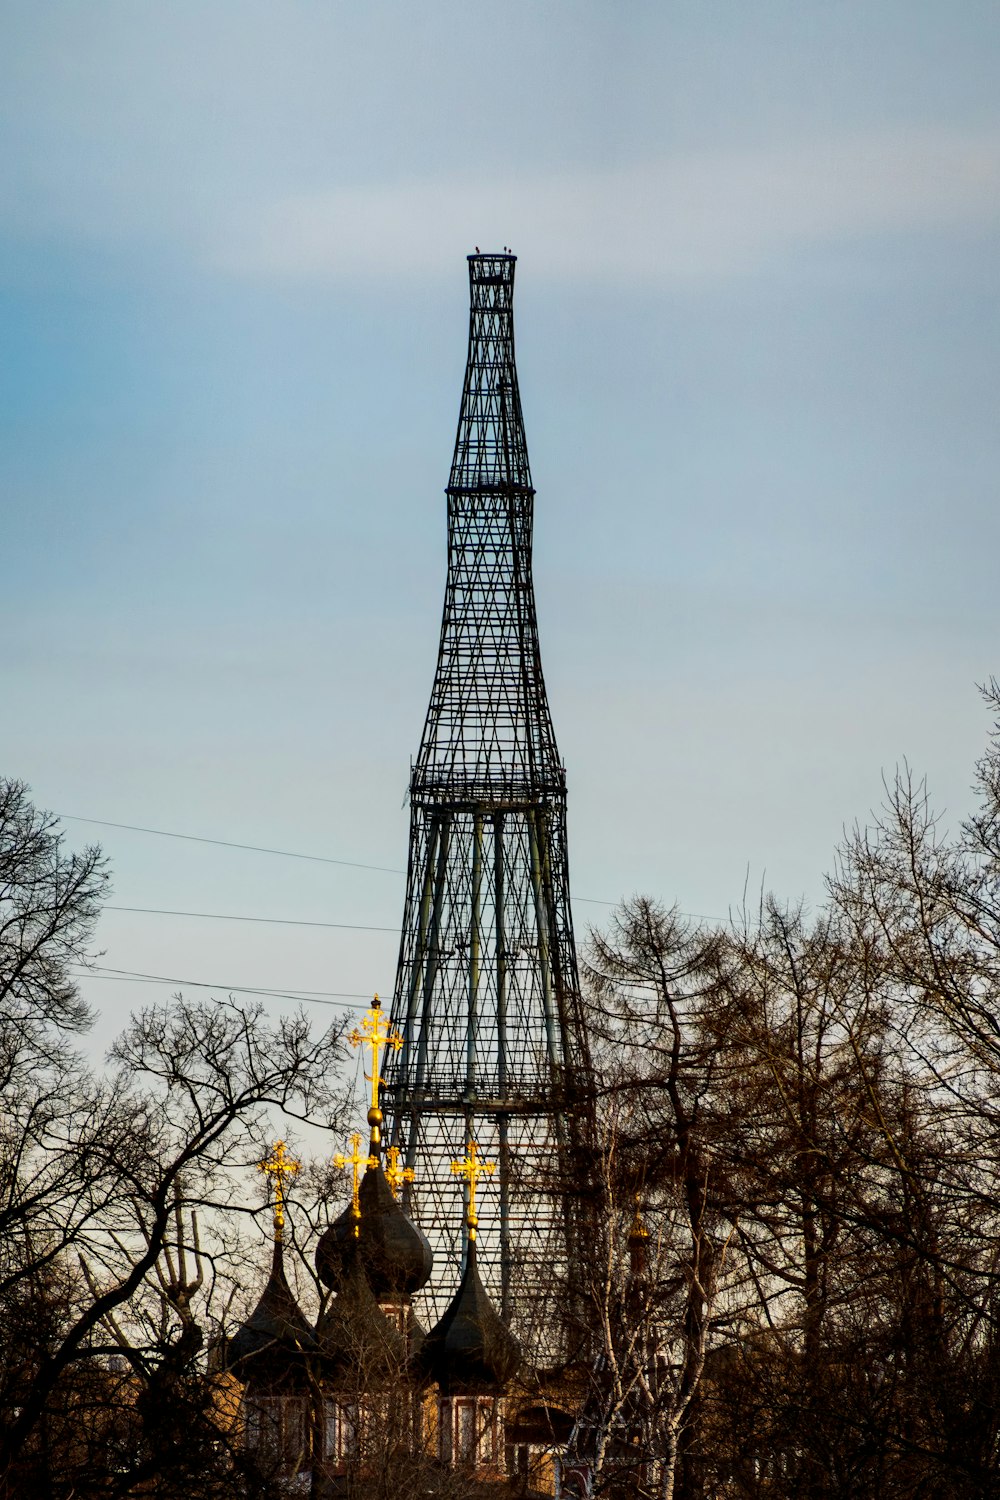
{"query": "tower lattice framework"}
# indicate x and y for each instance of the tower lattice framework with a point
(487, 991)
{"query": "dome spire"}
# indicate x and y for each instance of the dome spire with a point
(471, 1168)
(356, 1161)
(638, 1241)
(395, 1175)
(271, 1346)
(375, 1033)
(395, 1255)
(471, 1348)
(280, 1168)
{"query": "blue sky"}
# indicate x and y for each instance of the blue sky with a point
(758, 349)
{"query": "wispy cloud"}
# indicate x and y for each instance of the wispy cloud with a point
(685, 216)
(712, 214)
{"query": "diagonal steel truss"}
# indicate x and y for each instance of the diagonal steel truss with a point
(487, 992)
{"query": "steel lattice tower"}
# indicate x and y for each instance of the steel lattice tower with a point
(487, 992)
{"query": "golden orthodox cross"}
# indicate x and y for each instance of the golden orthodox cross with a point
(356, 1160)
(472, 1169)
(279, 1167)
(376, 1034)
(395, 1175)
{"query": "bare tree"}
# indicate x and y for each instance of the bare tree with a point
(661, 1235)
(96, 1256)
(816, 1311)
(50, 900)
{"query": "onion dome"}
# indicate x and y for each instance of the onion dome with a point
(395, 1254)
(355, 1339)
(272, 1345)
(471, 1348)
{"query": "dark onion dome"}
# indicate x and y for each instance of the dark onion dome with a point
(395, 1254)
(272, 1346)
(471, 1348)
(355, 1339)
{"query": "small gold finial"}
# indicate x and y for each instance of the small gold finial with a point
(395, 1175)
(279, 1167)
(638, 1230)
(472, 1169)
(376, 1034)
(356, 1161)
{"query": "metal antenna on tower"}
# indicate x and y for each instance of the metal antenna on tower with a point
(487, 993)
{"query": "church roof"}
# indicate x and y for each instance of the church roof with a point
(356, 1341)
(471, 1348)
(395, 1254)
(274, 1341)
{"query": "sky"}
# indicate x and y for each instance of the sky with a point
(759, 359)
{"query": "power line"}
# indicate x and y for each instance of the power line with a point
(220, 916)
(313, 997)
(223, 916)
(193, 838)
(321, 859)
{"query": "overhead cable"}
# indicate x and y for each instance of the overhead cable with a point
(194, 838)
(221, 916)
(321, 859)
(313, 997)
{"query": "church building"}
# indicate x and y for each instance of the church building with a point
(365, 1388)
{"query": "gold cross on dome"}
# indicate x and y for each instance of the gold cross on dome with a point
(279, 1167)
(356, 1160)
(472, 1169)
(395, 1175)
(376, 1034)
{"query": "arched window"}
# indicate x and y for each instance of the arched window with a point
(340, 1430)
(467, 1435)
(277, 1424)
(467, 1431)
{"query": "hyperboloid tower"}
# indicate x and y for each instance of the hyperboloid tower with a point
(487, 993)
